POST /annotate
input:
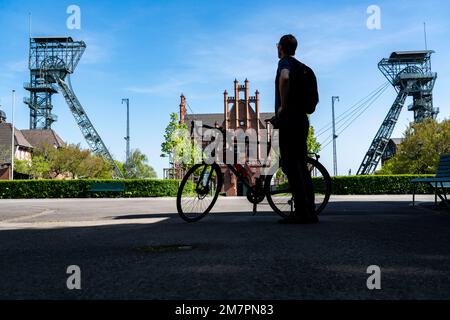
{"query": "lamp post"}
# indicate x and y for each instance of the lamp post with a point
(13, 145)
(127, 138)
(333, 100)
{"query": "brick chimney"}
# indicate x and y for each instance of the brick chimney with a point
(247, 105)
(236, 102)
(258, 126)
(226, 110)
(183, 110)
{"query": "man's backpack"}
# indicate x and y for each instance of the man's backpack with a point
(304, 90)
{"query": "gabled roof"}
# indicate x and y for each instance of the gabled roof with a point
(266, 116)
(207, 118)
(40, 138)
(397, 141)
(5, 136)
(5, 142)
(211, 118)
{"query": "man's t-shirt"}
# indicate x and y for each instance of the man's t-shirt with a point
(282, 64)
(295, 108)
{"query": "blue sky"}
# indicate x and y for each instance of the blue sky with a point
(152, 51)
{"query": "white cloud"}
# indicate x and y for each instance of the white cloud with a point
(247, 50)
(99, 47)
(163, 87)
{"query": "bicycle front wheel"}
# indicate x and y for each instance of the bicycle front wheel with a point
(199, 191)
(281, 199)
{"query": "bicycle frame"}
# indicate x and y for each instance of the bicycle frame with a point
(242, 179)
(238, 175)
(233, 169)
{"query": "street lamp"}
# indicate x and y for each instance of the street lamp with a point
(333, 100)
(127, 138)
(13, 145)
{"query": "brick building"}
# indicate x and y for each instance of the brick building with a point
(240, 111)
(24, 142)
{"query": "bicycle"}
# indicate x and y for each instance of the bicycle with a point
(202, 184)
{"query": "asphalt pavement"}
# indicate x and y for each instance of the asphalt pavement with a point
(141, 249)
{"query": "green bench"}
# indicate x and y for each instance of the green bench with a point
(107, 187)
(440, 183)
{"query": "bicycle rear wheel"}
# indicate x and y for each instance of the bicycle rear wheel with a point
(199, 191)
(281, 199)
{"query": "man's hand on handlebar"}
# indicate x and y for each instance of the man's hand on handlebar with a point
(221, 129)
(275, 121)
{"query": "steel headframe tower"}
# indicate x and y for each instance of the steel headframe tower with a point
(49, 56)
(410, 74)
(51, 61)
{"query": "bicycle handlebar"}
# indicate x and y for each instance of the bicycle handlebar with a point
(204, 126)
(221, 129)
(316, 155)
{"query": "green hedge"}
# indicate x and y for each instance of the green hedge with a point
(378, 184)
(42, 189)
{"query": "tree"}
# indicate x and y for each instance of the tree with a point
(5, 154)
(178, 146)
(420, 151)
(121, 167)
(137, 168)
(79, 163)
(95, 167)
(38, 168)
(184, 152)
(169, 144)
(69, 161)
(313, 145)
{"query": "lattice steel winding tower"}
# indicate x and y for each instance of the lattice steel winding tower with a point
(52, 60)
(410, 74)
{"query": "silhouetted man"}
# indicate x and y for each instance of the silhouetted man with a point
(296, 96)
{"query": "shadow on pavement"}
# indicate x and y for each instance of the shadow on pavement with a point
(236, 256)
